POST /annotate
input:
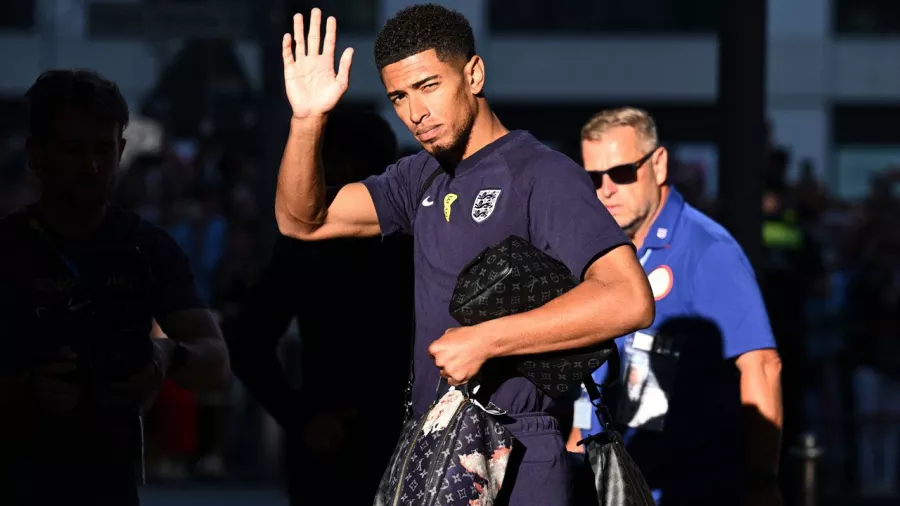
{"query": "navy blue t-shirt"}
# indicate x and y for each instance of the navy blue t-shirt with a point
(515, 185)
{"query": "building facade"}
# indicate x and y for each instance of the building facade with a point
(833, 82)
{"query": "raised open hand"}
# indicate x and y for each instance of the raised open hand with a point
(312, 86)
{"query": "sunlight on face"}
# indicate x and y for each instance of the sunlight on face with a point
(432, 99)
(630, 203)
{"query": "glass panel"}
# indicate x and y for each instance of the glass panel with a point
(17, 14)
(354, 16)
(604, 16)
(861, 17)
(856, 165)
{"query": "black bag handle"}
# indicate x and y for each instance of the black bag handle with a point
(412, 340)
(614, 364)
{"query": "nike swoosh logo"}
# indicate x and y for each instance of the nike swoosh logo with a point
(427, 202)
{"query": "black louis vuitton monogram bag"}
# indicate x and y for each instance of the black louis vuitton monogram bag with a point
(512, 277)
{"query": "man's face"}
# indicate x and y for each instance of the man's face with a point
(435, 99)
(631, 196)
(78, 161)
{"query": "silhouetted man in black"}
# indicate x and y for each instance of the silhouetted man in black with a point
(353, 302)
(80, 285)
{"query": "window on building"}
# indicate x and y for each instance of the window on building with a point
(863, 17)
(857, 166)
(864, 146)
(354, 16)
(17, 14)
(113, 19)
(604, 16)
(170, 18)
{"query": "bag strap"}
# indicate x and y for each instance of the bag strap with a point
(412, 340)
(428, 182)
(612, 376)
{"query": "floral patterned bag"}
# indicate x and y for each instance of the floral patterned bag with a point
(455, 454)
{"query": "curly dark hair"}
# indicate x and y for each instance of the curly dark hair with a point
(83, 89)
(419, 28)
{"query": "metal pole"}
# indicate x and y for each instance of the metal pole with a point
(742, 111)
(808, 453)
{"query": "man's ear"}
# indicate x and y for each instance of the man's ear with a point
(660, 162)
(474, 75)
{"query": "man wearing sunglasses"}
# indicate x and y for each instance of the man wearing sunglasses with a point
(701, 406)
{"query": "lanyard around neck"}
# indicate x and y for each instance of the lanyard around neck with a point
(645, 257)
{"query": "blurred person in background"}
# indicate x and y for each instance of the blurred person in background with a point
(201, 233)
(81, 284)
(242, 208)
(352, 300)
(875, 294)
(701, 410)
(17, 185)
(791, 273)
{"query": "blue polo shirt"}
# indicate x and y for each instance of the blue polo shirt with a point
(710, 311)
(515, 185)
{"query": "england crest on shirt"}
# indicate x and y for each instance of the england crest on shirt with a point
(484, 205)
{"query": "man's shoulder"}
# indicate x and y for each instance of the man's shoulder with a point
(531, 163)
(411, 171)
(418, 165)
(706, 240)
(701, 231)
(127, 227)
(526, 155)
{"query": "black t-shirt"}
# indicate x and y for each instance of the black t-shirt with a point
(97, 294)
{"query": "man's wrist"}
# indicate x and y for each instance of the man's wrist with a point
(310, 124)
(497, 338)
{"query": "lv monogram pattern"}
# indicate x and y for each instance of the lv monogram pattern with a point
(514, 277)
(461, 464)
(555, 374)
(617, 479)
(510, 277)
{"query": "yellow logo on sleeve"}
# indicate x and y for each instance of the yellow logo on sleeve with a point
(448, 200)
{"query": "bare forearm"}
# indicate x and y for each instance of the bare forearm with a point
(590, 313)
(300, 204)
(761, 397)
(206, 367)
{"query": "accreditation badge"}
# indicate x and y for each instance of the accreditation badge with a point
(648, 380)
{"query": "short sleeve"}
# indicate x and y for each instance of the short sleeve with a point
(174, 288)
(725, 291)
(565, 217)
(394, 193)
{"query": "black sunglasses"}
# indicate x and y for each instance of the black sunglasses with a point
(620, 174)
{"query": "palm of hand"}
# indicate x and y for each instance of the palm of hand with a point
(311, 83)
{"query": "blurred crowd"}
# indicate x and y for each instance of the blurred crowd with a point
(830, 275)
